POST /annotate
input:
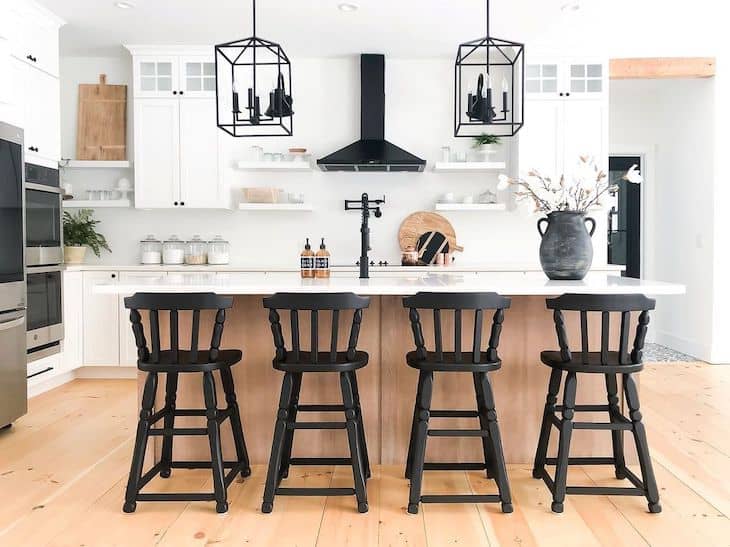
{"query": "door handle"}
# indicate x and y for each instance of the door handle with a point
(7, 325)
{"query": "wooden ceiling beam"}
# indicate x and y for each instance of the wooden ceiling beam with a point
(661, 67)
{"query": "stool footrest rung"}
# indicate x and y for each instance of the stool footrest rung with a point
(182, 496)
(461, 498)
(457, 433)
(601, 426)
(585, 408)
(189, 412)
(317, 425)
(604, 491)
(592, 460)
(454, 414)
(453, 466)
(320, 461)
(315, 491)
(164, 431)
(321, 408)
(199, 464)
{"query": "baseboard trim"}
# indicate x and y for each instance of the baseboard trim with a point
(690, 347)
(103, 373)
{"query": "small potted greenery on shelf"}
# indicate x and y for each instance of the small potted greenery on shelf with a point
(485, 145)
(79, 232)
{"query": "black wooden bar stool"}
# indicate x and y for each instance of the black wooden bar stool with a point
(476, 362)
(294, 363)
(610, 364)
(173, 362)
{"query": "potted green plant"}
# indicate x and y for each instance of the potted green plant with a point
(485, 145)
(79, 232)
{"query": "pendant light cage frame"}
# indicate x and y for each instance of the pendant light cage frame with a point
(248, 60)
(489, 56)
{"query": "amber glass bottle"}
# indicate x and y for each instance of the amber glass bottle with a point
(322, 261)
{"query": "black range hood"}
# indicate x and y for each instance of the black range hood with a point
(372, 153)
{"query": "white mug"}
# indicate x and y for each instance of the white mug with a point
(448, 197)
(123, 184)
(68, 189)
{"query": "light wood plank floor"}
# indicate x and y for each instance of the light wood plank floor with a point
(63, 470)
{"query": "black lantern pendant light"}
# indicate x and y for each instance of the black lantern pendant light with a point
(480, 65)
(248, 65)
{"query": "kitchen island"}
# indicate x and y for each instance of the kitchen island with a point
(387, 384)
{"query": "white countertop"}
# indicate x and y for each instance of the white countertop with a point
(507, 283)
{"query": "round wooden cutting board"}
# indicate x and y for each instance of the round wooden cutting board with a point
(417, 224)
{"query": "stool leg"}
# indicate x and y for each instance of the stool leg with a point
(484, 426)
(566, 430)
(414, 426)
(140, 444)
(495, 440)
(542, 445)
(616, 436)
(419, 443)
(277, 445)
(348, 399)
(169, 423)
(289, 434)
(236, 425)
(360, 426)
(642, 447)
(214, 437)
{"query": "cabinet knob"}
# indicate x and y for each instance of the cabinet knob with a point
(182, 203)
(561, 93)
(567, 94)
(174, 203)
(174, 92)
(181, 92)
(114, 276)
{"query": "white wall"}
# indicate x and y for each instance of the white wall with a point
(673, 121)
(418, 118)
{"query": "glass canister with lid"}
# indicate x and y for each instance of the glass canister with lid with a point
(196, 251)
(173, 251)
(150, 250)
(219, 251)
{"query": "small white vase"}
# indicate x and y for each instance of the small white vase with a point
(74, 255)
(486, 151)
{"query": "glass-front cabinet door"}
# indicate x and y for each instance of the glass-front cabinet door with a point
(541, 79)
(156, 77)
(197, 76)
(586, 79)
(560, 77)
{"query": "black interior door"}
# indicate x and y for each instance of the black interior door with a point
(624, 218)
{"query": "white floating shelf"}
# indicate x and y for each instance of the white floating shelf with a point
(470, 207)
(96, 204)
(275, 207)
(94, 164)
(274, 165)
(468, 166)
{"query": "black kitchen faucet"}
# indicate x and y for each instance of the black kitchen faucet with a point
(365, 204)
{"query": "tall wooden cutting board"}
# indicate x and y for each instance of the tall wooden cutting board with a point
(102, 121)
(417, 224)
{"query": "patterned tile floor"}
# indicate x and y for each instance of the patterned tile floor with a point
(655, 353)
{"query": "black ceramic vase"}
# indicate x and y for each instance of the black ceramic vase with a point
(566, 250)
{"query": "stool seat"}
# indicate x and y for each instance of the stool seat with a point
(595, 365)
(184, 362)
(324, 364)
(449, 363)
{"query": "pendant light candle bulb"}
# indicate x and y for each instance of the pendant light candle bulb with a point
(505, 84)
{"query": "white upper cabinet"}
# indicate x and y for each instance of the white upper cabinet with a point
(156, 153)
(200, 183)
(42, 118)
(173, 72)
(33, 34)
(156, 77)
(197, 76)
(560, 77)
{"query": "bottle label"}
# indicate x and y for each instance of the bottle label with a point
(322, 263)
(306, 262)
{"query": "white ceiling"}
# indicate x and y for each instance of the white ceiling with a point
(398, 28)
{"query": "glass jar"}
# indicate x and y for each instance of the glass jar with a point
(196, 251)
(150, 250)
(219, 251)
(173, 251)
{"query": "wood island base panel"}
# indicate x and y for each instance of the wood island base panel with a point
(388, 385)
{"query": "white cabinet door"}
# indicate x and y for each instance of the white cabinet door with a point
(543, 79)
(127, 346)
(586, 79)
(200, 180)
(197, 76)
(585, 130)
(34, 37)
(157, 153)
(101, 321)
(73, 301)
(42, 116)
(156, 77)
(541, 138)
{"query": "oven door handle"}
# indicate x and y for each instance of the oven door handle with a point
(30, 270)
(43, 188)
(12, 323)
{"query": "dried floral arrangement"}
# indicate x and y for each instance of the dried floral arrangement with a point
(585, 189)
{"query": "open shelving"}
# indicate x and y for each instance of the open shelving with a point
(95, 164)
(274, 165)
(470, 207)
(96, 204)
(468, 166)
(302, 207)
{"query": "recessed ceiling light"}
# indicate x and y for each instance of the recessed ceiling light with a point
(571, 6)
(348, 7)
(124, 5)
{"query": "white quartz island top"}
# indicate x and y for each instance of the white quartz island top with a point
(386, 283)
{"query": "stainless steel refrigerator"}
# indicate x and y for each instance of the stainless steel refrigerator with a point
(13, 366)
